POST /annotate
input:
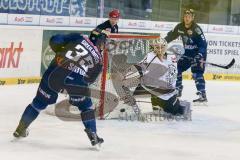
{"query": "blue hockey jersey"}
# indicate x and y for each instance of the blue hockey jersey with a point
(193, 39)
(76, 54)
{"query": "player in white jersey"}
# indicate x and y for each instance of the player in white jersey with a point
(157, 75)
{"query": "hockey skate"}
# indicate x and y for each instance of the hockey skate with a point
(93, 137)
(187, 112)
(202, 100)
(21, 131)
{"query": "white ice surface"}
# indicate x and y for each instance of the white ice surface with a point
(214, 133)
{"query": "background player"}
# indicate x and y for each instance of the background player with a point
(195, 47)
(107, 27)
(76, 65)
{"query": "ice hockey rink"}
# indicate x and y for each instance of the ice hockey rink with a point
(213, 133)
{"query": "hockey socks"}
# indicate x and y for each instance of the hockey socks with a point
(89, 121)
(29, 115)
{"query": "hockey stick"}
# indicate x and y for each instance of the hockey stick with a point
(138, 71)
(221, 66)
(229, 65)
(143, 101)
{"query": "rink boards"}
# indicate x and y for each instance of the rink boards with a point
(24, 52)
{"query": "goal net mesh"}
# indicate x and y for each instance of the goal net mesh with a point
(134, 47)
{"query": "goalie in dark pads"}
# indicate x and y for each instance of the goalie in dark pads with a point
(157, 75)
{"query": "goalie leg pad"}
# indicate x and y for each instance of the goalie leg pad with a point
(132, 76)
(124, 73)
(186, 109)
(125, 76)
(171, 105)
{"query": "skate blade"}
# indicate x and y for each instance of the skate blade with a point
(97, 147)
(15, 139)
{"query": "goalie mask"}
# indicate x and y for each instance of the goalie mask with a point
(159, 47)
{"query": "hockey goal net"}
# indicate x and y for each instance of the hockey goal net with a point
(134, 47)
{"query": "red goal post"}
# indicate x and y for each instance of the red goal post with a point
(137, 43)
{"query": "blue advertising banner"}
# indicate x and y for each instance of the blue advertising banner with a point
(44, 7)
(55, 7)
(78, 8)
(24, 6)
(4, 5)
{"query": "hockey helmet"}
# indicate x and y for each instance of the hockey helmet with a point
(189, 11)
(115, 13)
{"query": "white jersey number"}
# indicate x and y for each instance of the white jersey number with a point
(78, 53)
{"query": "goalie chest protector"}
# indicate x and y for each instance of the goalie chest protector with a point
(157, 73)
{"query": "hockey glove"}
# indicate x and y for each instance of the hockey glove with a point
(105, 32)
(198, 59)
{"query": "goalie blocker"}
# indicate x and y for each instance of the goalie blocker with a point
(155, 74)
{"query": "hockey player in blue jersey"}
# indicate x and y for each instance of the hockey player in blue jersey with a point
(107, 27)
(195, 47)
(76, 65)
